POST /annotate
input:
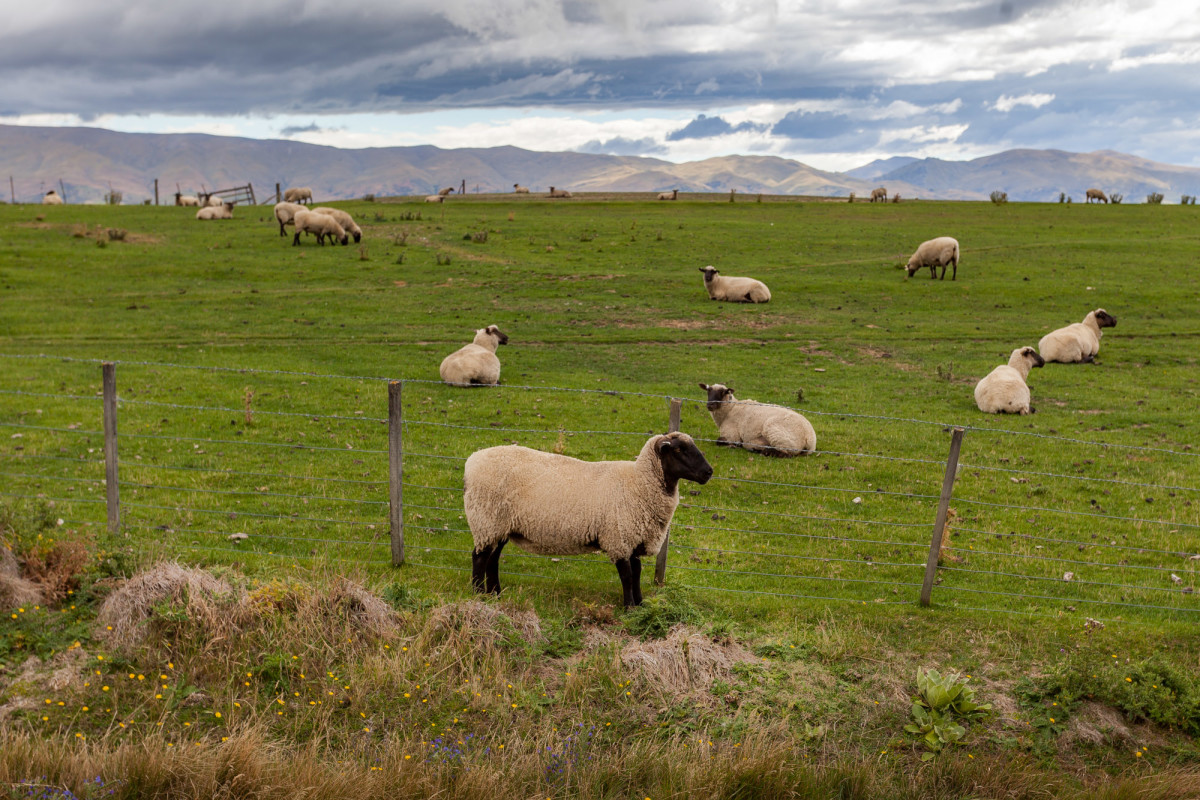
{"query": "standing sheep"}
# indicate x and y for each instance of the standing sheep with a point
(223, 211)
(879, 195)
(933, 254)
(285, 214)
(734, 290)
(298, 195)
(52, 198)
(519, 189)
(560, 193)
(556, 505)
(446, 191)
(345, 220)
(771, 430)
(1079, 341)
(475, 364)
(319, 224)
(1003, 390)
(1097, 195)
(671, 195)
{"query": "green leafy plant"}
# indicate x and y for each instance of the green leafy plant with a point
(941, 702)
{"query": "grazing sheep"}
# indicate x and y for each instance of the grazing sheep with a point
(1079, 341)
(345, 220)
(879, 195)
(671, 195)
(1097, 195)
(556, 505)
(446, 191)
(734, 290)
(319, 224)
(435, 198)
(1003, 390)
(475, 364)
(285, 212)
(186, 200)
(298, 195)
(933, 254)
(223, 211)
(519, 189)
(771, 430)
(563, 193)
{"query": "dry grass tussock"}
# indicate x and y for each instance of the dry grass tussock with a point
(207, 600)
(474, 625)
(15, 590)
(347, 600)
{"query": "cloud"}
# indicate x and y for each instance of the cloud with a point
(620, 146)
(703, 127)
(1004, 103)
(292, 130)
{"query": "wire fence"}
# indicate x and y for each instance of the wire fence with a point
(229, 462)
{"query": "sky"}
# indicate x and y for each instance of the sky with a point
(834, 84)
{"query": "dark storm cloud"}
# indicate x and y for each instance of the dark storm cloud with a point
(292, 130)
(620, 146)
(703, 127)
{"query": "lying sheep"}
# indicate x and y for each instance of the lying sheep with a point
(285, 213)
(345, 220)
(671, 195)
(52, 198)
(319, 224)
(1097, 195)
(446, 191)
(734, 290)
(223, 211)
(475, 364)
(298, 195)
(435, 198)
(879, 195)
(555, 505)
(519, 189)
(1003, 390)
(563, 193)
(933, 254)
(1079, 341)
(214, 201)
(186, 200)
(771, 430)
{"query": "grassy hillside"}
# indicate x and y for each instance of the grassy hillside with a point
(253, 384)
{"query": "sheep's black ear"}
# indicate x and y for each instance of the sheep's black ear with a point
(704, 386)
(728, 391)
(664, 445)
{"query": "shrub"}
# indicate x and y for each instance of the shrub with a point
(1116, 199)
(999, 198)
(117, 234)
(1187, 200)
(368, 198)
(851, 200)
(941, 702)
(1154, 198)
(1062, 197)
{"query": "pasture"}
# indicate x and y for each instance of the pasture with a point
(253, 384)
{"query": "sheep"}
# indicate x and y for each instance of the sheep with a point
(556, 505)
(933, 254)
(771, 430)
(446, 191)
(1097, 195)
(734, 290)
(519, 189)
(1003, 390)
(298, 195)
(186, 200)
(345, 220)
(52, 198)
(321, 225)
(223, 211)
(435, 198)
(560, 193)
(285, 213)
(475, 364)
(879, 195)
(671, 195)
(1079, 341)
(214, 201)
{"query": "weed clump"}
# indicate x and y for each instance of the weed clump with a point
(655, 618)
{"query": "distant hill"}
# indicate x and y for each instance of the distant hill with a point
(89, 161)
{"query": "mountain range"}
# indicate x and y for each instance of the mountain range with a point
(89, 162)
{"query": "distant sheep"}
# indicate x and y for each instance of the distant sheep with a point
(446, 191)
(285, 213)
(214, 201)
(320, 225)
(435, 198)
(1097, 195)
(345, 220)
(734, 290)
(186, 200)
(223, 211)
(879, 195)
(561, 193)
(475, 364)
(519, 189)
(299, 194)
(933, 254)
(771, 430)
(52, 198)
(554, 505)
(671, 195)
(1003, 390)
(1079, 341)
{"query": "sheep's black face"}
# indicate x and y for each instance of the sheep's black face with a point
(1034, 359)
(717, 394)
(709, 273)
(1104, 319)
(501, 337)
(682, 459)
(357, 238)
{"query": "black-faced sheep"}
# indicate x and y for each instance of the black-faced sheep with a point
(734, 290)
(446, 191)
(519, 189)
(560, 193)
(1079, 341)
(320, 225)
(299, 194)
(186, 200)
(345, 220)
(771, 430)
(52, 198)
(1003, 390)
(475, 364)
(285, 213)
(556, 505)
(1097, 195)
(223, 211)
(671, 195)
(435, 198)
(933, 254)
(214, 201)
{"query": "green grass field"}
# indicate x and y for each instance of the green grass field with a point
(252, 377)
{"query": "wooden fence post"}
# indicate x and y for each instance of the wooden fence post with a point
(108, 371)
(939, 525)
(396, 471)
(156, 191)
(660, 564)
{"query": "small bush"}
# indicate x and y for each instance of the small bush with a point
(443, 260)
(999, 198)
(1116, 199)
(1187, 200)
(1154, 198)
(941, 702)
(851, 198)
(117, 234)
(368, 198)
(1062, 197)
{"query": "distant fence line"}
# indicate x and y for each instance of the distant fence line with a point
(149, 493)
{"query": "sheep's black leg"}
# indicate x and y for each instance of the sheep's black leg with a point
(479, 561)
(625, 570)
(296, 239)
(282, 232)
(493, 568)
(954, 275)
(932, 271)
(635, 565)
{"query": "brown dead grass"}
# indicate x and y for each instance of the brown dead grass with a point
(363, 610)
(476, 624)
(15, 590)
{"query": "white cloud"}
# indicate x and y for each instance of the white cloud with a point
(1005, 103)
